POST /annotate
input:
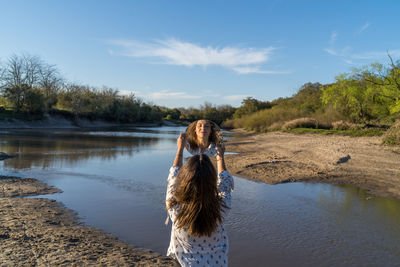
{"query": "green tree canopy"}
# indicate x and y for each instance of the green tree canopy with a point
(250, 105)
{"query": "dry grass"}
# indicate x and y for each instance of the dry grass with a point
(276, 126)
(305, 123)
(392, 136)
(273, 119)
(344, 125)
(300, 123)
(262, 120)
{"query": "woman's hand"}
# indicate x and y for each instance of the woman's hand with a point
(180, 142)
(220, 158)
(220, 150)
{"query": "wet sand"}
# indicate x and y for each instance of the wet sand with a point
(42, 232)
(283, 157)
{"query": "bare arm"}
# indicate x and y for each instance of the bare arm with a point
(179, 153)
(220, 158)
(225, 181)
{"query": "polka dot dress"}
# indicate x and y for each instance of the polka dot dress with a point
(200, 251)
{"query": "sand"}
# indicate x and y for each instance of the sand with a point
(42, 232)
(283, 157)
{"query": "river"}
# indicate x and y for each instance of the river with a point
(115, 180)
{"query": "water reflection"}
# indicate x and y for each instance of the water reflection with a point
(50, 149)
(310, 224)
(344, 198)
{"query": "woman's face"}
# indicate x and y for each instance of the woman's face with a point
(203, 129)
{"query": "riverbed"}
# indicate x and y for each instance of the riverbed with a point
(115, 180)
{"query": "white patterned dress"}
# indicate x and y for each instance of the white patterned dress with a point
(206, 250)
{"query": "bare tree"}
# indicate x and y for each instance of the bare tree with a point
(50, 82)
(32, 66)
(20, 70)
(22, 74)
(12, 72)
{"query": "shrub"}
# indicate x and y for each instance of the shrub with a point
(276, 126)
(344, 125)
(261, 120)
(300, 123)
(392, 136)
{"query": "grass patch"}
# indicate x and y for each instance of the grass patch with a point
(353, 132)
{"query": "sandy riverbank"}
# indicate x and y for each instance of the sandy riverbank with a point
(42, 232)
(283, 157)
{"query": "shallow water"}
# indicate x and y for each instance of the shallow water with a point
(116, 179)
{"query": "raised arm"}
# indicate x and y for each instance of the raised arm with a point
(225, 182)
(220, 158)
(174, 170)
(180, 143)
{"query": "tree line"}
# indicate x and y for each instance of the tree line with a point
(29, 85)
(368, 95)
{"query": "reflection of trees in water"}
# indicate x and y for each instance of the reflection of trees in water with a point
(349, 201)
(46, 149)
(349, 198)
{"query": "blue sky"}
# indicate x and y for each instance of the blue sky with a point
(183, 53)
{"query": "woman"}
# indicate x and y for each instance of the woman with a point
(197, 202)
(202, 137)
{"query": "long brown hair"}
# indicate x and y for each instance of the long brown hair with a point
(214, 137)
(197, 196)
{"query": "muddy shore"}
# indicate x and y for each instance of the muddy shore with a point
(283, 157)
(42, 232)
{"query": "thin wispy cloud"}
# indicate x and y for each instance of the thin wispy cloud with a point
(348, 54)
(344, 52)
(234, 97)
(330, 51)
(165, 94)
(332, 41)
(247, 70)
(180, 95)
(349, 62)
(175, 52)
(351, 58)
(333, 38)
(364, 27)
(376, 54)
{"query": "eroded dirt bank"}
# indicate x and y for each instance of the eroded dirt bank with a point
(283, 157)
(42, 232)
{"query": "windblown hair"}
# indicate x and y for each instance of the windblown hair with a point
(196, 195)
(215, 134)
